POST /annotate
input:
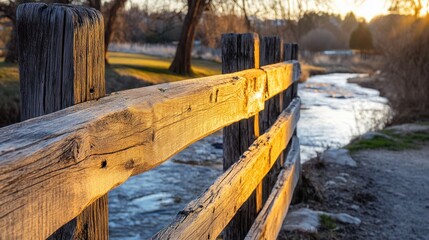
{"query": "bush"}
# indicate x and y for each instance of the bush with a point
(361, 38)
(407, 55)
(319, 40)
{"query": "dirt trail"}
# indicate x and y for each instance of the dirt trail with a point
(388, 191)
(400, 182)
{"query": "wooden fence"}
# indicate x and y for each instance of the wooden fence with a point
(56, 169)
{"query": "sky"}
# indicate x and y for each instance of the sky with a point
(367, 9)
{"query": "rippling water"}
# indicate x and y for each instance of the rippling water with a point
(333, 112)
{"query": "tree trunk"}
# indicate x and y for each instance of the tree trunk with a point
(108, 30)
(246, 17)
(182, 59)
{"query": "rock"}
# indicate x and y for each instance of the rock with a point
(339, 96)
(345, 218)
(302, 220)
(341, 179)
(372, 135)
(307, 220)
(339, 157)
(409, 128)
(217, 145)
(355, 207)
(344, 175)
(330, 183)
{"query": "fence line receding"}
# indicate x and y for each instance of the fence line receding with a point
(57, 167)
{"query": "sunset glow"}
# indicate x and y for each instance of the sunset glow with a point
(366, 10)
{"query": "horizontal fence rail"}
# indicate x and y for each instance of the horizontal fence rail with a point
(207, 216)
(78, 154)
(269, 221)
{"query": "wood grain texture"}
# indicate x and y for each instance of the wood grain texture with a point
(63, 68)
(205, 217)
(59, 51)
(271, 52)
(78, 154)
(291, 53)
(240, 52)
(269, 221)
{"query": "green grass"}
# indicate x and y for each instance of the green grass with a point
(326, 222)
(9, 93)
(9, 84)
(394, 141)
(154, 70)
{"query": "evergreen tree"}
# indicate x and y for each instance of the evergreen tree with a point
(361, 38)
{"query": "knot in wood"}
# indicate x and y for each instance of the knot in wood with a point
(71, 151)
(129, 164)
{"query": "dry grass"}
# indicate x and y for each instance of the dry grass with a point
(308, 70)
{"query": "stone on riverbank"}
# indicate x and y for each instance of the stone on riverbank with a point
(307, 220)
(339, 157)
(372, 135)
(409, 128)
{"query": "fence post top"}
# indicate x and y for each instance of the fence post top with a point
(35, 9)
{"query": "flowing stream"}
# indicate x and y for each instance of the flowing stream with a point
(333, 112)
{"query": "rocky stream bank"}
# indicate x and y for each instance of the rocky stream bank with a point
(377, 187)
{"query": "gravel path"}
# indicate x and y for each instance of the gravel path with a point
(400, 183)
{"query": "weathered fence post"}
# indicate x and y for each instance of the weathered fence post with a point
(239, 52)
(61, 54)
(271, 52)
(291, 53)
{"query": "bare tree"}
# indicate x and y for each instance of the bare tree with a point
(109, 23)
(413, 6)
(182, 60)
(242, 5)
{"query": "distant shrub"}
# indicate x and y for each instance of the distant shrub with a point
(361, 38)
(318, 40)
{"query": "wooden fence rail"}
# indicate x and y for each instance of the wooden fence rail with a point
(207, 216)
(55, 166)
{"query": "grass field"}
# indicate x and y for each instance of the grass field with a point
(126, 71)
(9, 93)
(154, 70)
